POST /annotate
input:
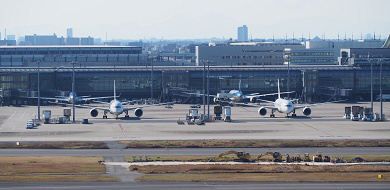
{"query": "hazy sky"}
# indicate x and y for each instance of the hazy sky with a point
(184, 19)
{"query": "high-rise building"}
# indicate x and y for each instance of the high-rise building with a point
(242, 34)
(69, 33)
(11, 37)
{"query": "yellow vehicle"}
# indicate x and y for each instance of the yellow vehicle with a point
(307, 157)
(241, 156)
(317, 157)
(293, 158)
(277, 157)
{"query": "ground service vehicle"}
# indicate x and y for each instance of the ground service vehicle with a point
(241, 156)
(317, 157)
(226, 114)
(307, 157)
(277, 157)
(293, 158)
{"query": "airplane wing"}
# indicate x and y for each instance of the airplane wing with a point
(298, 107)
(87, 106)
(256, 95)
(96, 98)
(198, 94)
(135, 107)
(101, 102)
(56, 99)
(266, 101)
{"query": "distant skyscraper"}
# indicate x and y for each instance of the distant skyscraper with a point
(11, 37)
(242, 33)
(69, 33)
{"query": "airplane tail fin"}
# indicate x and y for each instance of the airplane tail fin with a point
(278, 90)
(114, 91)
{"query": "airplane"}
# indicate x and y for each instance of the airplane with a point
(116, 108)
(286, 106)
(236, 96)
(75, 98)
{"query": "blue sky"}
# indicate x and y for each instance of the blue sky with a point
(182, 19)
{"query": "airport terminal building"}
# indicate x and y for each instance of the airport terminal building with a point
(98, 66)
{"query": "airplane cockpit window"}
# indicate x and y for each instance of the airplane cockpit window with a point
(117, 106)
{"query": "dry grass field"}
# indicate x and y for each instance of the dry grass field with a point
(264, 172)
(53, 168)
(255, 144)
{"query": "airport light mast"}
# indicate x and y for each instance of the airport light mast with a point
(73, 94)
(39, 93)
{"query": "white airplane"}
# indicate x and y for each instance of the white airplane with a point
(116, 108)
(235, 96)
(77, 99)
(286, 106)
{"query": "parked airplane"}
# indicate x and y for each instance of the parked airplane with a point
(116, 108)
(286, 106)
(235, 96)
(77, 99)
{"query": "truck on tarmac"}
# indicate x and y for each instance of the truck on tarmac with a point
(226, 114)
(355, 110)
(46, 116)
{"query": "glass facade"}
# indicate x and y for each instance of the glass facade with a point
(138, 82)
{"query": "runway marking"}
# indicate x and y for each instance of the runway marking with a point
(7, 120)
(123, 131)
(328, 134)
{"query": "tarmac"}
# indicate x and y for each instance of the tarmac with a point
(160, 123)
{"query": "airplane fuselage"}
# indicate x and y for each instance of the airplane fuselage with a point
(233, 95)
(72, 98)
(116, 107)
(284, 106)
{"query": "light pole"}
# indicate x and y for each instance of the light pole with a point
(380, 87)
(287, 56)
(39, 93)
(151, 92)
(73, 94)
(372, 99)
(208, 91)
(204, 90)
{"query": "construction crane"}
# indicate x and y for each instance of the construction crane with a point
(241, 156)
(277, 157)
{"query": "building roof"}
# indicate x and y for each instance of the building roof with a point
(387, 43)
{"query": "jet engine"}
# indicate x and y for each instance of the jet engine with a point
(138, 112)
(253, 99)
(93, 112)
(306, 111)
(262, 111)
(217, 100)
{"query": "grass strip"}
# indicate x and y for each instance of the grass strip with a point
(256, 144)
(59, 145)
(58, 178)
(257, 168)
(51, 165)
(272, 177)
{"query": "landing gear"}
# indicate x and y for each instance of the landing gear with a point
(127, 114)
(105, 115)
(272, 114)
(294, 115)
